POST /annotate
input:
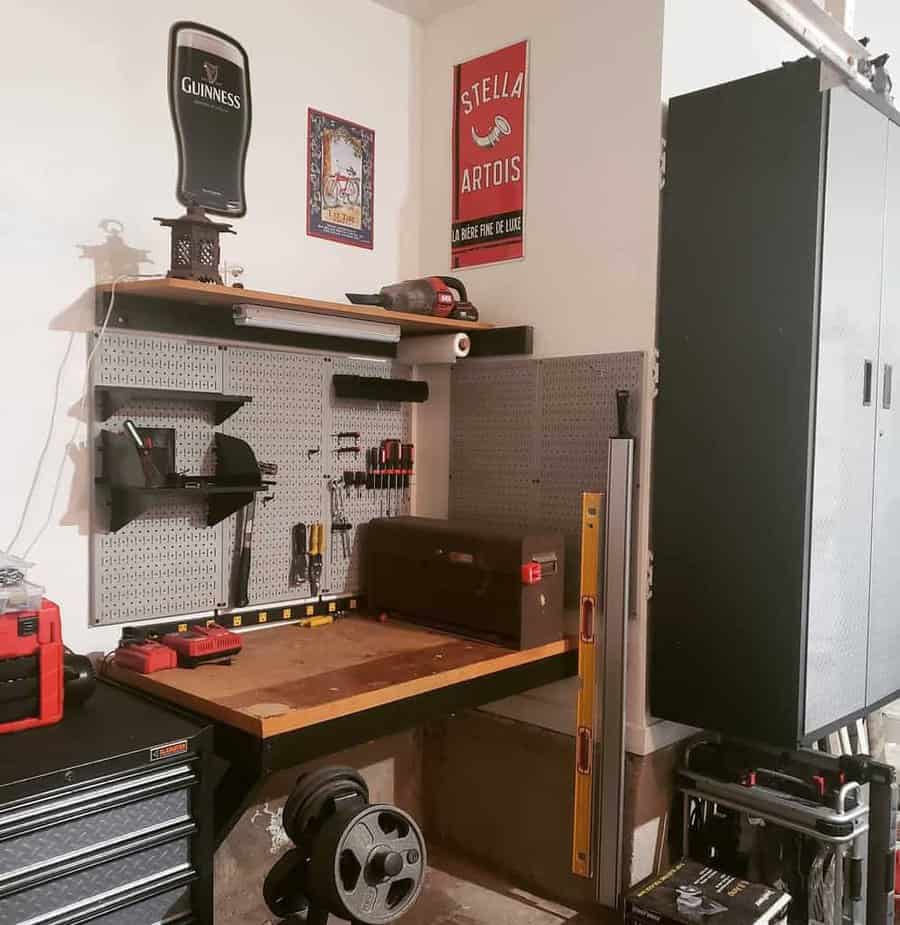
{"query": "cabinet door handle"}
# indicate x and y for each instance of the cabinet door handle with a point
(867, 383)
(888, 387)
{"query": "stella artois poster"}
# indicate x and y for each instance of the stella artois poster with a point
(489, 131)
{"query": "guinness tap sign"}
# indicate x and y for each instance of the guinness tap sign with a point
(209, 95)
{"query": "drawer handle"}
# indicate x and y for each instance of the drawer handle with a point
(888, 387)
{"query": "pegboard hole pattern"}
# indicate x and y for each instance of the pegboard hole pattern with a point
(546, 424)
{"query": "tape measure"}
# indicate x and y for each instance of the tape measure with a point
(588, 671)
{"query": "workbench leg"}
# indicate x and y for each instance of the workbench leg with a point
(232, 798)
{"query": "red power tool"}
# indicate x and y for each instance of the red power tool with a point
(433, 295)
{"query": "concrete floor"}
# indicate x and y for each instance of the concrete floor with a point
(458, 894)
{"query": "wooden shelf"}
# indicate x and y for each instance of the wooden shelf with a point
(289, 678)
(181, 290)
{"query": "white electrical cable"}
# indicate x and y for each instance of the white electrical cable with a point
(78, 420)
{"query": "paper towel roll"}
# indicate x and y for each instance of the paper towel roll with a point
(442, 348)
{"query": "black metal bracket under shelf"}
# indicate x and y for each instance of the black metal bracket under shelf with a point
(113, 398)
(129, 502)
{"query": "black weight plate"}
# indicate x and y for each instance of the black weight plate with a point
(310, 794)
(283, 888)
(25, 666)
(21, 689)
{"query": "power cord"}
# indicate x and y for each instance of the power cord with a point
(78, 420)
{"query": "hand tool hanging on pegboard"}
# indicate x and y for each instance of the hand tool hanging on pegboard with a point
(298, 555)
(245, 535)
(316, 554)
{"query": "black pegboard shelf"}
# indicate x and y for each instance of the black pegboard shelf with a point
(128, 502)
(110, 399)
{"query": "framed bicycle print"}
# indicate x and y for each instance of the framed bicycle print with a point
(340, 196)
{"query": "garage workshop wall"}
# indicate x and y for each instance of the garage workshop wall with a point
(588, 281)
(87, 136)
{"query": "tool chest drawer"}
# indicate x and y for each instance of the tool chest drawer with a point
(170, 908)
(50, 898)
(106, 818)
(49, 832)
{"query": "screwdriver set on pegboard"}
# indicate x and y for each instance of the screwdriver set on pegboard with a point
(340, 463)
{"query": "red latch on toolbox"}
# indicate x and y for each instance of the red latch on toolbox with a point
(531, 573)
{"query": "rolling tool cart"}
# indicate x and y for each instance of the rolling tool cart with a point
(106, 818)
(797, 819)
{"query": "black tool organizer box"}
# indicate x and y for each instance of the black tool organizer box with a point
(106, 818)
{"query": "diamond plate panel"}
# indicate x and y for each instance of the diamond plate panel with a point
(80, 888)
(166, 562)
(529, 436)
(374, 421)
(166, 909)
(282, 423)
(493, 436)
(79, 835)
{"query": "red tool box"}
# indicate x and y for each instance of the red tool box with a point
(31, 668)
(201, 644)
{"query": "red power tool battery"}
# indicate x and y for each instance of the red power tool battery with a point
(145, 657)
(31, 668)
(200, 644)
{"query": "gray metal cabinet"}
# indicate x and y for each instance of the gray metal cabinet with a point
(844, 441)
(884, 602)
(776, 479)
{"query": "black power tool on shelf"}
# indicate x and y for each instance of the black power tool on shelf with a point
(443, 296)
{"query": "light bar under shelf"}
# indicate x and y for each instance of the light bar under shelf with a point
(258, 316)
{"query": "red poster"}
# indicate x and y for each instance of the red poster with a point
(489, 128)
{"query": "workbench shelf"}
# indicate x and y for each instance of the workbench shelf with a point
(180, 306)
(110, 399)
(128, 502)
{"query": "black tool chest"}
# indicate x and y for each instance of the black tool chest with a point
(106, 818)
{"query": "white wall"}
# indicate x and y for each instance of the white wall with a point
(588, 280)
(87, 136)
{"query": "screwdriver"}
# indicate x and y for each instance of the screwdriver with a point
(391, 452)
(383, 470)
(407, 464)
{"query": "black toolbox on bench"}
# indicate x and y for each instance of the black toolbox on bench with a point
(498, 584)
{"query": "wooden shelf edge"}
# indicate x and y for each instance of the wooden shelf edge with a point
(147, 684)
(293, 720)
(211, 294)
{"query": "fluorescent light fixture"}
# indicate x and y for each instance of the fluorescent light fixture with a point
(258, 316)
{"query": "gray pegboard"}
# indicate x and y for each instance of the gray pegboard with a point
(166, 562)
(375, 421)
(494, 442)
(282, 423)
(529, 436)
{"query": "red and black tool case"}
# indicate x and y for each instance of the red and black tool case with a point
(31, 668)
(502, 585)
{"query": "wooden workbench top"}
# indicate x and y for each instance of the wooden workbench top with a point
(290, 677)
